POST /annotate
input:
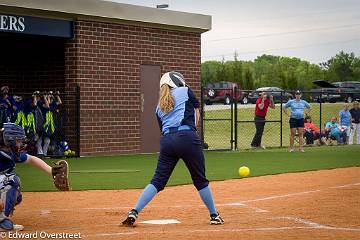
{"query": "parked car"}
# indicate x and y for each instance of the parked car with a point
(222, 92)
(279, 94)
(334, 92)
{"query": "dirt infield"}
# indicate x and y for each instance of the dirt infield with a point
(313, 205)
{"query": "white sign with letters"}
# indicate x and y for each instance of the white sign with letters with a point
(12, 23)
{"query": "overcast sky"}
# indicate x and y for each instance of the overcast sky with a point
(314, 30)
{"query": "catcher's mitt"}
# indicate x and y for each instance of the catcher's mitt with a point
(60, 173)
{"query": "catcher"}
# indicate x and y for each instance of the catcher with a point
(11, 145)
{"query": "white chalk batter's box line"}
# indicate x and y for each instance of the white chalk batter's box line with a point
(308, 225)
(240, 204)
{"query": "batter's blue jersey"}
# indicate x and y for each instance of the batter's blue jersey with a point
(8, 160)
(183, 112)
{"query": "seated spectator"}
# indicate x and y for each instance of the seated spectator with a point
(312, 132)
(345, 121)
(333, 130)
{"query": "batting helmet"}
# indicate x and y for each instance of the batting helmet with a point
(12, 132)
(173, 79)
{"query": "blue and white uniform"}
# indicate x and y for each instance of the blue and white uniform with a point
(179, 140)
(183, 113)
(9, 185)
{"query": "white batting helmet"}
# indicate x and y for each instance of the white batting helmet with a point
(173, 79)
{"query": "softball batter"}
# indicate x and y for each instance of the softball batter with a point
(178, 116)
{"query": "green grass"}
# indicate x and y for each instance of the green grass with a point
(135, 171)
(218, 133)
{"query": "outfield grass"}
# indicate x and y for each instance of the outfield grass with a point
(135, 171)
(217, 134)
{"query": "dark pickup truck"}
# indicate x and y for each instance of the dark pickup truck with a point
(335, 92)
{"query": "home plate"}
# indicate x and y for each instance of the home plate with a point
(161, 222)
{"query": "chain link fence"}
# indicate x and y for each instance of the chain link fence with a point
(218, 121)
(228, 120)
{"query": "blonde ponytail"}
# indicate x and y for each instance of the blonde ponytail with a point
(166, 100)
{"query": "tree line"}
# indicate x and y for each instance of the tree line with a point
(284, 72)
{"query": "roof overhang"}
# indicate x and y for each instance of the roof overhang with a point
(106, 11)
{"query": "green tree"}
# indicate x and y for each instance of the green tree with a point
(342, 67)
(284, 72)
(221, 71)
(248, 80)
(209, 70)
(238, 71)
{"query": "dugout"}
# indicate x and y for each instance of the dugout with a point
(115, 53)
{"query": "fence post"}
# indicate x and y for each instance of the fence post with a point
(320, 112)
(77, 100)
(281, 119)
(235, 123)
(233, 101)
(202, 114)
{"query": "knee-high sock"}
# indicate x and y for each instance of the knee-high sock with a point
(39, 145)
(207, 198)
(46, 145)
(146, 196)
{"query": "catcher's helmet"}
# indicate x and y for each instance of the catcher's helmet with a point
(173, 79)
(12, 132)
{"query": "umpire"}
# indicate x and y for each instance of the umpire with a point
(262, 104)
(178, 117)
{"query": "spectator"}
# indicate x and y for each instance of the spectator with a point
(55, 105)
(6, 106)
(44, 131)
(345, 121)
(296, 121)
(30, 111)
(19, 107)
(262, 103)
(355, 123)
(333, 130)
(312, 132)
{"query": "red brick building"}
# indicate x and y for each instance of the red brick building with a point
(114, 52)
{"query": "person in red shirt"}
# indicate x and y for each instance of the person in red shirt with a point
(312, 132)
(262, 104)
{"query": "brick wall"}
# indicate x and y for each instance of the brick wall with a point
(104, 59)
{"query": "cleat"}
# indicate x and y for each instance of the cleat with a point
(18, 227)
(215, 219)
(131, 218)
